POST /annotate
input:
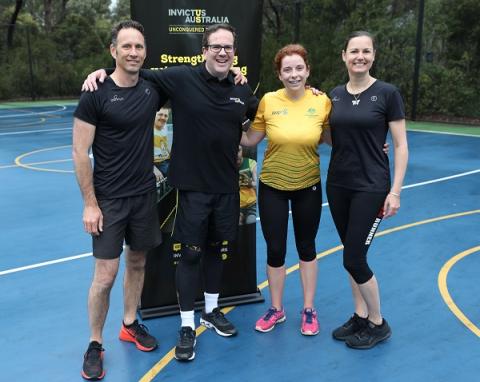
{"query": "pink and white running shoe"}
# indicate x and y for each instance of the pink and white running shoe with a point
(310, 325)
(270, 319)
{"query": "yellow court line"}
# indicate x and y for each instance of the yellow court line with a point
(37, 163)
(442, 285)
(295, 267)
(160, 365)
(18, 160)
(378, 234)
(427, 221)
(45, 162)
(153, 372)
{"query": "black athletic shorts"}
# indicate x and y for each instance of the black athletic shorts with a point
(133, 219)
(203, 217)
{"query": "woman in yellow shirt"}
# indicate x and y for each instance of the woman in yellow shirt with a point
(293, 120)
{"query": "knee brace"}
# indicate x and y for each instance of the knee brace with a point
(191, 254)
(218, 248)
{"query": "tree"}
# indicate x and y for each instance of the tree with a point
(121, 11)
(47, 15)
(13, 22)
(75, 34)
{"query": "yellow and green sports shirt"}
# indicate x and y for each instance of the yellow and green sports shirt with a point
(293, 129)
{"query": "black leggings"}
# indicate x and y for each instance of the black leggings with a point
(306, 211)
(188, 272)
(357, 215)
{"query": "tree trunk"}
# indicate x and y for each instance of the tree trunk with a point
(63, 11)
(48, 15)
(278, 19)
(13, 22)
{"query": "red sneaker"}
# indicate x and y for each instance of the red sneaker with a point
(138, 334)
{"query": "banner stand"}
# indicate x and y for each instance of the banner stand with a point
(174, 30)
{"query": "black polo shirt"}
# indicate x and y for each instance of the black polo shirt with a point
(207, 120)
(359, 129)
(123, 142)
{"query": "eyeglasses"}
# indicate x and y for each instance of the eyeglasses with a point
(217, 48)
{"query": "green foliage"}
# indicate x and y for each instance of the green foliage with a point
(451, 37)
(440, 93)
(51, 63)
(121, 11)
(77, 39)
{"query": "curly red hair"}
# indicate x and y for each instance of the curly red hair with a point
(289, 50)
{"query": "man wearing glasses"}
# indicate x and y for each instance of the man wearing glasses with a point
(208, 111)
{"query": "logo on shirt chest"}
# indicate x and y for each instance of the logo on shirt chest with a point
(284, 111)
(237, 100)
(116, 98)
(311, 112)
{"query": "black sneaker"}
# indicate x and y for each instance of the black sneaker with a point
(138, 334)
(217, 321)
(353, 325)
(369, 336)
(186, 343)
(93, 362)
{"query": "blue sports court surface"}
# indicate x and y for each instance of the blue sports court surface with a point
(427, 261)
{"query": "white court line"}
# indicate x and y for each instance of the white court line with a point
(443, 132)
(45, 263)
(35, 131)
(64, 259)
(62, 108)
(441, 179)
(8, 166)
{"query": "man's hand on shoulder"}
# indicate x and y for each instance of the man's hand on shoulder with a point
(314, 91)
(239, 77)
(90, 84)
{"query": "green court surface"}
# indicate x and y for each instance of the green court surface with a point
(443, 127)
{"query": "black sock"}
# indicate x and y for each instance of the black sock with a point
(128, 326)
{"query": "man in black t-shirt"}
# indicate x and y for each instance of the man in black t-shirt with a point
(208, 111)
(119, 194)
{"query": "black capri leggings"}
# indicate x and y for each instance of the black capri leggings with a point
(357, 215)
(306, 210)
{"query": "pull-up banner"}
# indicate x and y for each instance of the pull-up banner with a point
(174, 31)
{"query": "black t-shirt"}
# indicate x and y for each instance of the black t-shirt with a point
(359, 130)
(207, 119)
(123, 143)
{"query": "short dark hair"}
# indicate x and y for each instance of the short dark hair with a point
(360, 34)
(215, 27)
(125, 25)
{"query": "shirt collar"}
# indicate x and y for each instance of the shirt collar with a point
(208, 77)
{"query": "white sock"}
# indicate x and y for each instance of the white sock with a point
(188, 318)
(211, 301)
